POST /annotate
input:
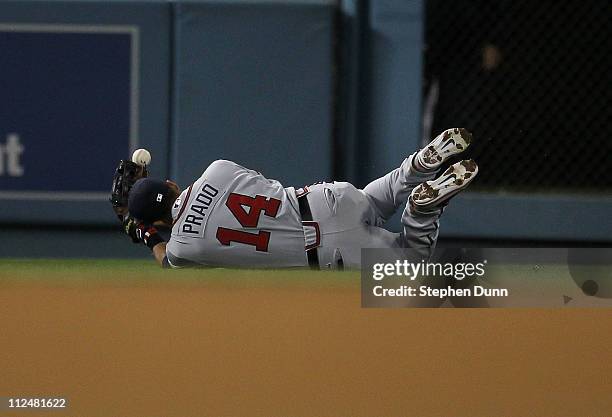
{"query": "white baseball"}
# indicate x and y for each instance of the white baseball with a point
(141, 157)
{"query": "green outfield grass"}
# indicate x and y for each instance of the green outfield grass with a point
(141, 272)
(534, 285)
(147, 270)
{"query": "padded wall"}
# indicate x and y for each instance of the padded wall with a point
(254, 84)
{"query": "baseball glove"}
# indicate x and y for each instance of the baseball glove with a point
(126, 174)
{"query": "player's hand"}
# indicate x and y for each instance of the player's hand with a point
(142, 232)
(148, 235)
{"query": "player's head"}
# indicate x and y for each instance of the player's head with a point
(151, 200)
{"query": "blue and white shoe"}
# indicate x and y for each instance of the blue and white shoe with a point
(431, 195)
(446, 144)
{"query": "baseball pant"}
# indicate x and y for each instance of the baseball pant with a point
(350, 219)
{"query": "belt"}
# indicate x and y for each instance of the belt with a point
(311, 250)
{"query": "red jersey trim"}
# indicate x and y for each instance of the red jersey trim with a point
(180, 213)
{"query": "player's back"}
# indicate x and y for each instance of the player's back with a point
(234, 216)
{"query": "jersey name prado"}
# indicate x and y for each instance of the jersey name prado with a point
(235, 216)
(199, 209)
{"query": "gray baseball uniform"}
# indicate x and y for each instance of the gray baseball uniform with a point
(233, 216)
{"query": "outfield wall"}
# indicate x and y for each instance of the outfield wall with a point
(301, 90)
(87, 82)
(191, 81)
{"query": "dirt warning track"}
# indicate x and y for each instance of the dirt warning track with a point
(297, 350)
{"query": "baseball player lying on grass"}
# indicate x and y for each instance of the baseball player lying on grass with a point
(234, 216)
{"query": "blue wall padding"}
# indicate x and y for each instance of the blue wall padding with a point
(384, 115)
(389, 114)
(254, 84)
(528, 217)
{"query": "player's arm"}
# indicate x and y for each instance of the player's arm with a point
(159, 252)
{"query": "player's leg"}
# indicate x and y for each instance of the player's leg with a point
(420, 219)
(345, 246)
(346, 216)
(388, 193)
(391, 191)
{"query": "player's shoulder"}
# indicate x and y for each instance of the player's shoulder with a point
(224, 165)
(219, 163)
(224, 168)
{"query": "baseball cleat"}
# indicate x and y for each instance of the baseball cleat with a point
(446, 144)
(430, 195)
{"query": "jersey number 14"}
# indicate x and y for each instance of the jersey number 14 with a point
(248, 219)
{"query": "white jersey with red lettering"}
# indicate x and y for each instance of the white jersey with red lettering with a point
(235, 216)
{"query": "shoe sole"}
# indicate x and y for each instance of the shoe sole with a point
(456, 178)
(448, 143)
